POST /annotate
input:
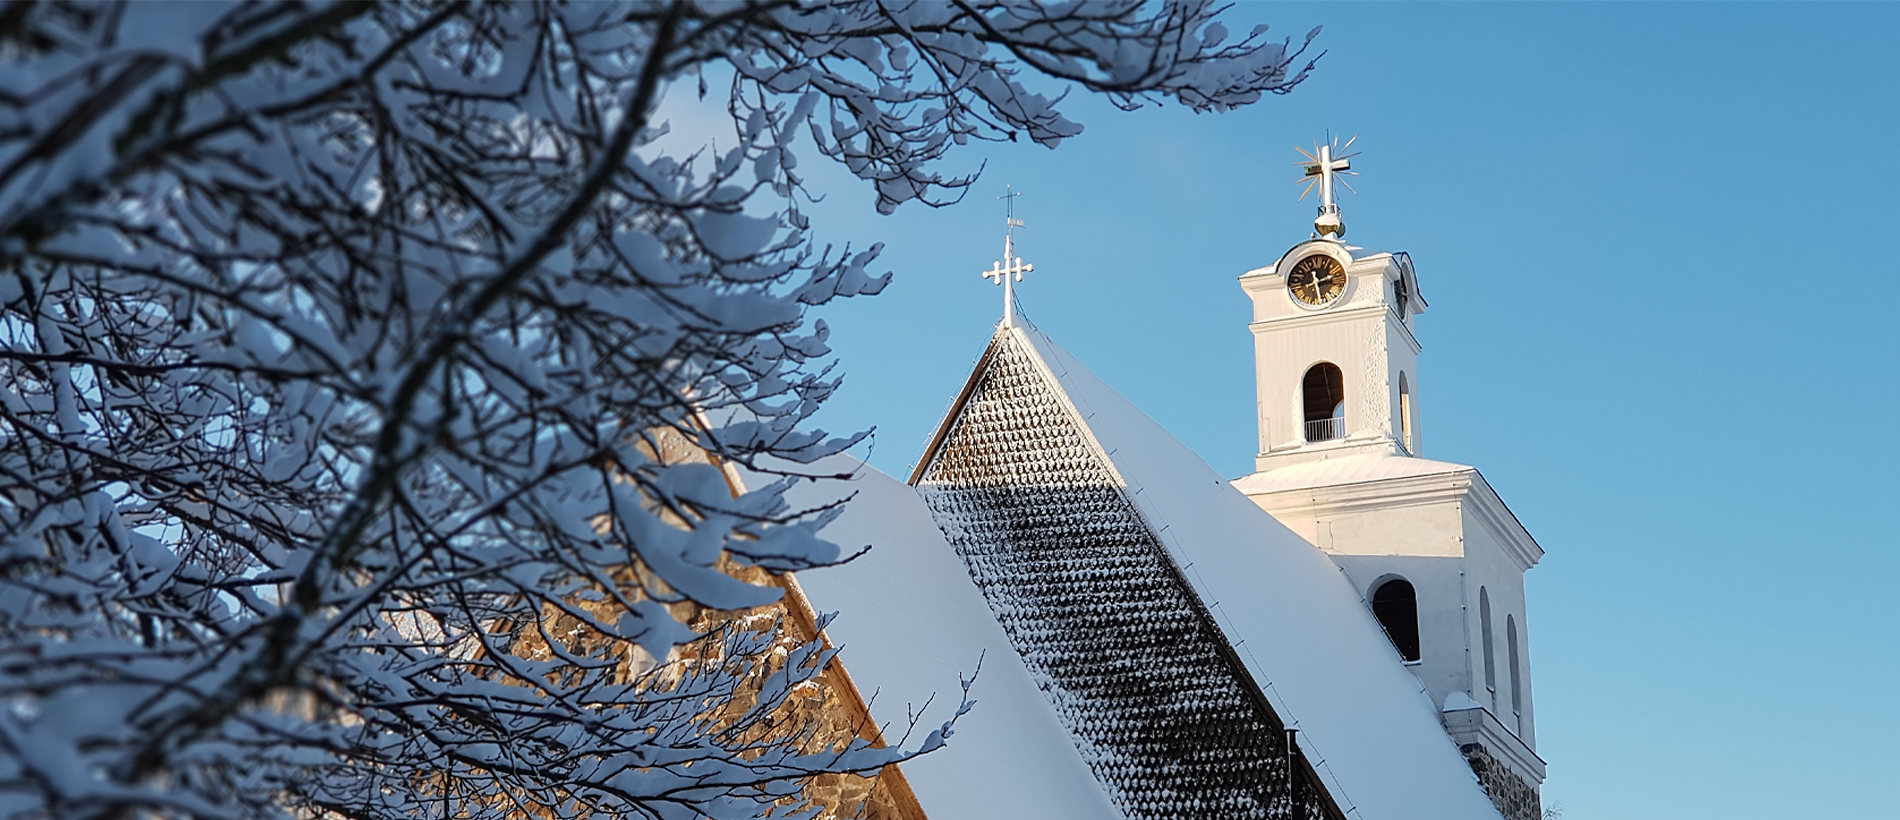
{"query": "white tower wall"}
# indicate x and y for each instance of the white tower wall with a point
(1362, 332)
(1364, 496)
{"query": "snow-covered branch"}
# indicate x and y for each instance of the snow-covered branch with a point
(347, 356)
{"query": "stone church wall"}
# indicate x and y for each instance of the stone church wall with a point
(1515, 798)
(826, 713)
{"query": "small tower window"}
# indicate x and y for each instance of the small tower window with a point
(1490, 662)
(1323, 398)
(1510, 651)
(1405, 415)
(1395, 604)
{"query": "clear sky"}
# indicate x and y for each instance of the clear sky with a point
(1653, 239)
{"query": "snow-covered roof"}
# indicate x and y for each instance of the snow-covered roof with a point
(911, 624)
(1163, 711)
(1354, 469)
(1291, 617)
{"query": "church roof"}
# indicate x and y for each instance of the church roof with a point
(1355, 469)
(911, 625)
(1050, 550)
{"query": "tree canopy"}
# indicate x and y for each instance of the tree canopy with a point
(339, 343)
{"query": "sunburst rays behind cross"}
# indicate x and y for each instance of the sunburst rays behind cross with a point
(1325, 165)
(1328, 163)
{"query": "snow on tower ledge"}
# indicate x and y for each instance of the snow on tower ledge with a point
(1168, 619)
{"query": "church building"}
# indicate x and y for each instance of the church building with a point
(1340, 635)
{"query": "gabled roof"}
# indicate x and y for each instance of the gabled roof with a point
(1285, 611)
(911, 625)
(1160, 707)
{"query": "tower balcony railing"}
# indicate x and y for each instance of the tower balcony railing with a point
(1325, 429)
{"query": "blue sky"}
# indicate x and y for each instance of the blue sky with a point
(1662, 324)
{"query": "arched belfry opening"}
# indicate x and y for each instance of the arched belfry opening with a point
(1405, 415)
(1517, 691)
(1395, 604)
(1490, 657)
(1323, 401)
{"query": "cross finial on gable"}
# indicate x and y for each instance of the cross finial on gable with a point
(1011, 267)
(1322, 168)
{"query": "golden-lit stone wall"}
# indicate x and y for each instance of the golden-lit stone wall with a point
(827, 711)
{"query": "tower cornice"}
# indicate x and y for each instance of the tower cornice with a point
(1339, 315)
(1429, 483)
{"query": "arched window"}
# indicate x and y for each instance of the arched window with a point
(1395, 604)
(1405, 415)
(1510, 652)
(1490, 662)
(1323, 401)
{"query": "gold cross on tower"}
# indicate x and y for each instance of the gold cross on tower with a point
(1322, 168)
(1011, 267)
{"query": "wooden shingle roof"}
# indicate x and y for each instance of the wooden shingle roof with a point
(1176, 628)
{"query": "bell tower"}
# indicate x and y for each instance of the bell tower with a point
(1438, 557)
(1335, 361)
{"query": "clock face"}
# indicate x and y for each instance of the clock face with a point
(1317, 279)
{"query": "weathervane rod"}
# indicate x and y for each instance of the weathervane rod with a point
(1009, 290)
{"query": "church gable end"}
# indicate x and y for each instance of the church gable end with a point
(1167, 718)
